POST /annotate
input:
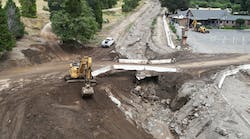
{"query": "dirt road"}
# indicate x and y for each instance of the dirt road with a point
(137, 40)
(205, 63)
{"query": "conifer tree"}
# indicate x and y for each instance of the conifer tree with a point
(15, 25)
(74, 21)
(97, 10)
(7, 42)
(28, 8)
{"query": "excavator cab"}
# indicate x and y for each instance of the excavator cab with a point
(74, 70)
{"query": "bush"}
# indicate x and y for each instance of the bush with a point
(28, 8)
(240, 22)
(106, 4)
(172, 27)
(129, 5)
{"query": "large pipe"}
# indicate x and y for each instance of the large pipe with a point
(133, 68)
(142, 61)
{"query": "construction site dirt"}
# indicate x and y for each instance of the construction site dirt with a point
(198, 100)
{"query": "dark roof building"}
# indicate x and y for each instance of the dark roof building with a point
(210, 16)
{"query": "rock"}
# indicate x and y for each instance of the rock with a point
(138, 91)
(185, 121)
(201, 97)
(221, 131)
(153, 98)
(172, 125)
(195, 104)
(203, 103)
(177, 131)
(248, 110)
(77, 102)
(196, 115)
(239, 135)
(1, 99)
(247, 72)
(28, 115)
(163, 101)
(138, 88)
(168, 101)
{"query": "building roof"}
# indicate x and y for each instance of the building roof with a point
(235, 17)
(207, 13)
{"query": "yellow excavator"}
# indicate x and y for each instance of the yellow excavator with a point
(81, 71)
(198, 27)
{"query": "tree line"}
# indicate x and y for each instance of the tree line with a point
(235, 5)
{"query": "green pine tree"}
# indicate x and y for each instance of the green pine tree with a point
(106, 4)
(28, 8)
(97, 10)
(15, 25)
(7, 41)
(74, 22)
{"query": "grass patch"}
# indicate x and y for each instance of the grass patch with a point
(153, 23)
(234, 27)
(172, 27)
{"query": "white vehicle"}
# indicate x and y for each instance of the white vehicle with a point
(108, 42)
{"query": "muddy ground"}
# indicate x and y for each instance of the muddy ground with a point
(33, 108)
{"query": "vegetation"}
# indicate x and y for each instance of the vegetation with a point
(173, 5)
(172, 27)
(55, 5)
(236, 27)
(240, 22)
(28, 8)
(97, 10)
(74, 21)
(129, 5)
(106, 4)
(245, 5)
(16, 27)
(235, 5)
(7, 41)
(154, 22)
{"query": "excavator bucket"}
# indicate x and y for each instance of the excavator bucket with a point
(87, 91)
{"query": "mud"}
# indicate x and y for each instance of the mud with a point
(32, 108)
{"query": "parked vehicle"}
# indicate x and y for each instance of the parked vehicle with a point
(108, 42)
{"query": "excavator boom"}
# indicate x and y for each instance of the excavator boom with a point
(82, 72)
(87, 90)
